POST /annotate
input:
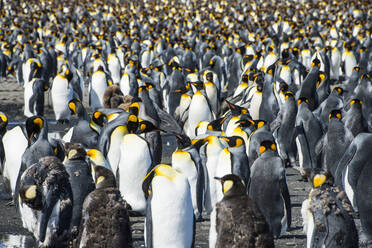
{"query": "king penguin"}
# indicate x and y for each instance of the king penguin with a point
(45, 189)
(268, 189)
(62, 93)
(327, 222)
(236, 220)
(166, 189)
(186, 160)
(80, 178)
(199, 110)
(98, 85)
(135, 162)
(105, 220)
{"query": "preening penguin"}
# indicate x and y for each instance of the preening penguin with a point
(45, 189)
(236, 220)
(268, 188)
(105, 219)
(34, 97)
(327, 222)
(166, 189)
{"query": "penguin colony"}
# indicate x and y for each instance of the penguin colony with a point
(247, 88)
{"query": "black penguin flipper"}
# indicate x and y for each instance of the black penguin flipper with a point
(287, 200)
(343, 163)
(200, 190)
(167, 122)
(18, 183)
(20, 73)
(50, 200)
(148, 223)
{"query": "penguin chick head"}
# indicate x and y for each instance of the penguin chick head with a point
(335, 114)
(232, 185)
(103, 177)
(74, 151)
(234, 141)
(29, 192)
(321, 177)
(267, 145)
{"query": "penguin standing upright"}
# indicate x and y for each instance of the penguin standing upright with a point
(199, 110)
(105, 220)
(135, 162)
(334, 143)
(325, 215)
(165, 189)
(62, 93)
(353, 118)
(268, 189)
(114, 67)
(98, 85)
(283, 129)
(353, 175)
(80, 178)
(186, 160)
(44, 188)
(236, 220)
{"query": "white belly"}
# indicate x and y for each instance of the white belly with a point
(198, 111)
(28, 92)
(133, 166)
(62, 93)
(98, 89)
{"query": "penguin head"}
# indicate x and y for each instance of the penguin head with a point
(34, 125)
(29, 192)
(321, 177)
(96, 157)
(132, 123)
(103, 177)
(134, 107)
(73, 105)
(245, 123)
(99, 118)
(74, 151)
(321, 78)
(209, 75)
(302, 100)
(232, 185)
(315, 62)
(198, 85)
(235, 109)
(271, 69)
(216, 125)
(259, 123)
(339, 91)
(183, 141)
(288, 95)
(234, 141)
(355, 101)
(3, 123)
(335, 114)
(267, 145)
(146, 126)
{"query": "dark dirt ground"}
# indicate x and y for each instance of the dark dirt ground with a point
(13, 235)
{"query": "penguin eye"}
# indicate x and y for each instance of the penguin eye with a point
(262, 149)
